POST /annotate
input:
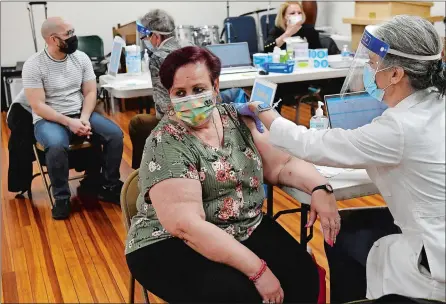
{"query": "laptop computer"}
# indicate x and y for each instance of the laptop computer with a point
(353, 110)
(234, 57)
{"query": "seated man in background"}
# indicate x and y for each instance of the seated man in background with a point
(157, 33)
(60, 85)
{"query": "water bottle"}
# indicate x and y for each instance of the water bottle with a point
(276, 55)
(345, 54)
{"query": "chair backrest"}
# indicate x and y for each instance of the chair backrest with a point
(243, 29)
(93, 46)
(129, 195)
(328, 43)
(272, 20)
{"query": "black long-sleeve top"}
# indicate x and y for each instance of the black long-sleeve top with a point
(307, 32)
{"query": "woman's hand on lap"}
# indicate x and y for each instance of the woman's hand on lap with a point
(269, 287)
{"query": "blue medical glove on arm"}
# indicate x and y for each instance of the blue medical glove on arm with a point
(243, 109)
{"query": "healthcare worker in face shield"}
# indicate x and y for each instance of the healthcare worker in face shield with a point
(401, 251)
(156, 30)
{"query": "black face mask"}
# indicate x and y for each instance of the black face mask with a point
(69, 45)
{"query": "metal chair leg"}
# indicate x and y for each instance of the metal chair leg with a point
(131, 290)
(29, 191)
(297, 112)
(304, 237)
(270, 201)
(145, 295)
(47, 187)
(304, 210)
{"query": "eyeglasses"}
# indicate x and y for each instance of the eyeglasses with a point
(370, 62)
(68, 34)
(146, 36)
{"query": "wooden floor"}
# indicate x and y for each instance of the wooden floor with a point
(82, 259)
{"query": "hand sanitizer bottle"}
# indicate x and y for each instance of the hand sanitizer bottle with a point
(319, 121)
(345, 54)
(276, 55)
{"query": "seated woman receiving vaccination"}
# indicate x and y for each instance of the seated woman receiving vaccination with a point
(200, 234)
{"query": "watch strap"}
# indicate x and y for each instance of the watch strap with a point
(323, 187)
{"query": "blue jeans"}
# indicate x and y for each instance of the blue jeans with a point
(56, 138)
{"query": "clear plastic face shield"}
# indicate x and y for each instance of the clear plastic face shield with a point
(145, 32)
(367, 61)
(142, 30)
(145, 35)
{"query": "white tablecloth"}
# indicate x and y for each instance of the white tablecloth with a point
(346, 183)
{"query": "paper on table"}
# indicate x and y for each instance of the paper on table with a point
(125, 83)
(329, 172)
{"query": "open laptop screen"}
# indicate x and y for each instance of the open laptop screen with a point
(232, 54)
(352, 110)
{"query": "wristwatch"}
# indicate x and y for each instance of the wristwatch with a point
(262, 107)
(327, 187)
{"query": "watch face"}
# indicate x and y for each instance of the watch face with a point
(329, 187)
(263, 106)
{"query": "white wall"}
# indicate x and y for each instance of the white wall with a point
(90, 18)
(98, 18)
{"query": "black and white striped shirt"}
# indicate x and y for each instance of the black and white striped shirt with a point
(61, 79)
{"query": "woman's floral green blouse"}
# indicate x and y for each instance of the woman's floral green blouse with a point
(231, 178)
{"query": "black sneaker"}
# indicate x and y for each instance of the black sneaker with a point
(90, 184)
(111, 194)
(61, 209)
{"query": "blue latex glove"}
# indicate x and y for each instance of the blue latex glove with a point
(243, 109)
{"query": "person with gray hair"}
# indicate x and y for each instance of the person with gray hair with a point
(157, 31)
(398, 249)
(417, 36)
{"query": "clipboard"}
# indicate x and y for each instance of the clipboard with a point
(263, 91)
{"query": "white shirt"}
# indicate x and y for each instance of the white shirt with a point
(403, 152)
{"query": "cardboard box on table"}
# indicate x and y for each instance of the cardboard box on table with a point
(376, 12)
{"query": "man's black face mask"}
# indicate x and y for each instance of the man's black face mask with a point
(69, 45)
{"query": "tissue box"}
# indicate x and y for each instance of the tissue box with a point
(260, 58)
(300, 51)
(284, 68)
(319, 58)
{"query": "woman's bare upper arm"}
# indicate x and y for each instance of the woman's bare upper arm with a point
(176, 202)
(273, 158)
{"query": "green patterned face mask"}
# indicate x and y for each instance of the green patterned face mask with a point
(194, 110)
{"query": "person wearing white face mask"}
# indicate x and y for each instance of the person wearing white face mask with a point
(403, 151)
(290, 21)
